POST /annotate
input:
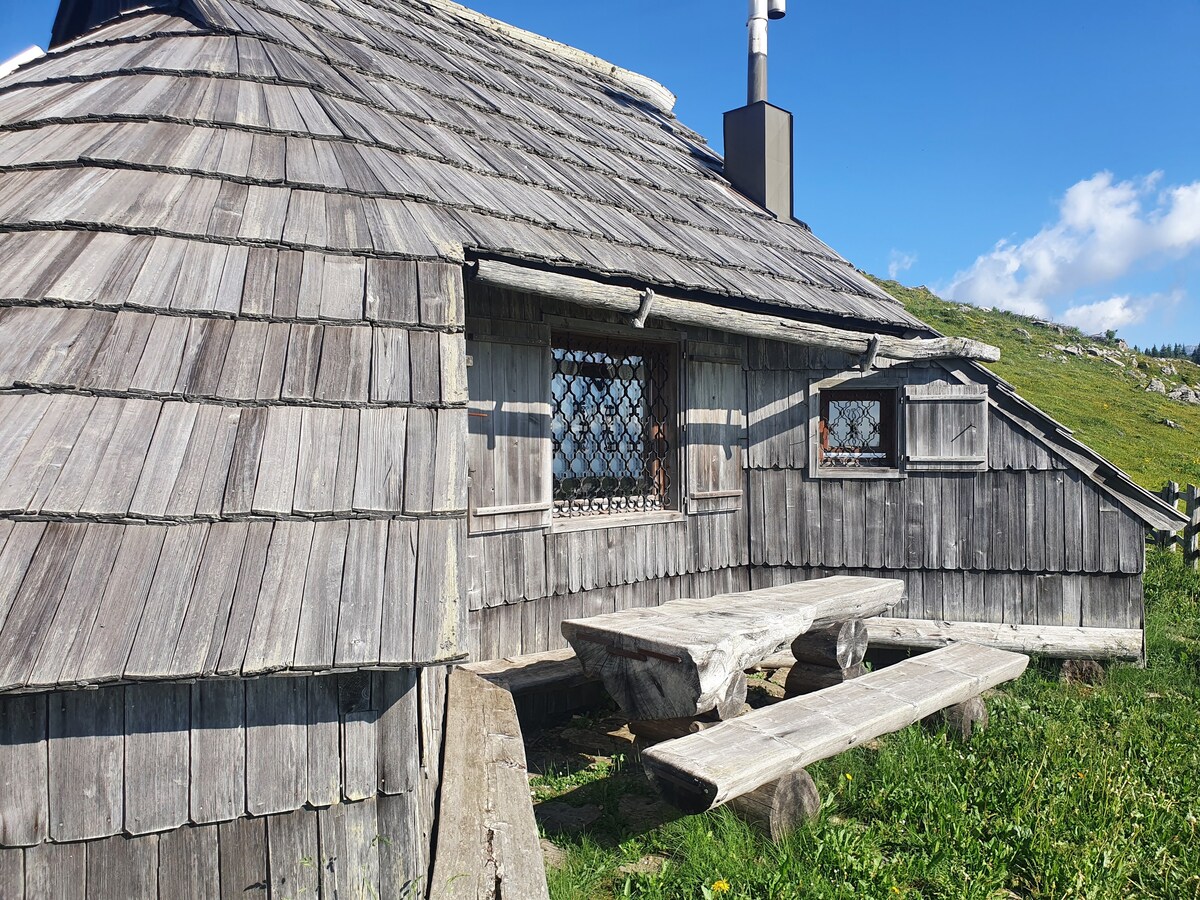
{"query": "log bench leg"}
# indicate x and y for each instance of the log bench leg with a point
(779, 807)
(827, 657)
(960, 720)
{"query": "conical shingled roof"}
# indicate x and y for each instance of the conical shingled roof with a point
(408, 129)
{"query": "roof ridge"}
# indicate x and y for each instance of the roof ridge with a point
(645, 87)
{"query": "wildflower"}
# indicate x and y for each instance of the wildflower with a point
(720, 886)
(895, 890)
(849, 777)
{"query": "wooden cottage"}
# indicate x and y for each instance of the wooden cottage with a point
(342, 340)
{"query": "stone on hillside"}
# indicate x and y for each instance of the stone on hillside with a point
(1170, 423)
(1156, 387)
(1023, 333)
(1184, 394)
(1169, 369)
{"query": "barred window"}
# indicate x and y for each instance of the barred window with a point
(613, 432)
(858, 429)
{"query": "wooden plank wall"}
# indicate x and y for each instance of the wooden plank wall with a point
(1021, 598)
(1030, 521)
(532, 626)
(1028, 541)
(506, 570)
(369, 848)
(156, 756)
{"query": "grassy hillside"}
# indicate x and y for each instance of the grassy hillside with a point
(1099, 390)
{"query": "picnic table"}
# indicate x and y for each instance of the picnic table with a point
(688, 657)
(666, 665)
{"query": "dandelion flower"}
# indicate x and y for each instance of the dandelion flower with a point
(849, 777)
(720, 886)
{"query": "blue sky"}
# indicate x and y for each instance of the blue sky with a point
(1041, 156)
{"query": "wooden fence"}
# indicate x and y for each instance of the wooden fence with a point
(1189, 538)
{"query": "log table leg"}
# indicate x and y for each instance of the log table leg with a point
(960, 720)
(839, 646)
(733, 701)
(826, 657)
(780, 806)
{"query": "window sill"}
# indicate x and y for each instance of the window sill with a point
(861, 474)
(591, 523)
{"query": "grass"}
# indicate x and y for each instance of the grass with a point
(1105, 404)
(1073, 792)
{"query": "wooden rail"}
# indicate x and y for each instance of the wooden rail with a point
(1189, 538)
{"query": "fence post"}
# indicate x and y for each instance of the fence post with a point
(1191, 534)
(1170, 495)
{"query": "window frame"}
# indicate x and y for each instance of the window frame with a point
(674, 344)
(860, 383)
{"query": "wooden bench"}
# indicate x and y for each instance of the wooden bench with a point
(703, 770)
(686, 657)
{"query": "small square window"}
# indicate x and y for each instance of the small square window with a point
(613, 426)
(858, 429)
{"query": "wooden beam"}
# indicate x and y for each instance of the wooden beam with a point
(630, 301)
(1055, 641)
(487, 839)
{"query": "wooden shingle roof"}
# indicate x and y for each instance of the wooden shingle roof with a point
(411, 129)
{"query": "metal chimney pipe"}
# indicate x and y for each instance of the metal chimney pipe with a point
(757, 89)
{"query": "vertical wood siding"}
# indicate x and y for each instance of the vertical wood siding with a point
(157, 756)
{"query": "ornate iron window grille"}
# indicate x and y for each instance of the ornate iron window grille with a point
(613, 437)
(858, 429)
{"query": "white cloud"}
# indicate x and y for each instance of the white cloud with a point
(899, 261)
(1105, 230)
(1117, 312)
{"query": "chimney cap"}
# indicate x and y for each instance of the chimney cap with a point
(776, 9)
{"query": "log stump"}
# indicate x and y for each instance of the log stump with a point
(779, 807)
(960, 720)
(839, 646)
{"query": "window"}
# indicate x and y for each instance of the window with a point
(613, 412)
(857, 429)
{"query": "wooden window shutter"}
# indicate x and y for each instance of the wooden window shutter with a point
(509, 449)
(716, 431)
(946, 428)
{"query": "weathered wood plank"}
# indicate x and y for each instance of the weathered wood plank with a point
(12, 873)
(362, 600)
(487, 842)
(56, 870)
(349, 852)
(294, 850)
(86, 747)
(1060, 642)
(276, 745)
(324, 742)
(217, 784)
(125, 867)
(188, 865)
(243, 854)
(397, 731)
(400, 597)
(23, 771)
(157, 756)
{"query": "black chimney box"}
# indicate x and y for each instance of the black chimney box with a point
(758, 155)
